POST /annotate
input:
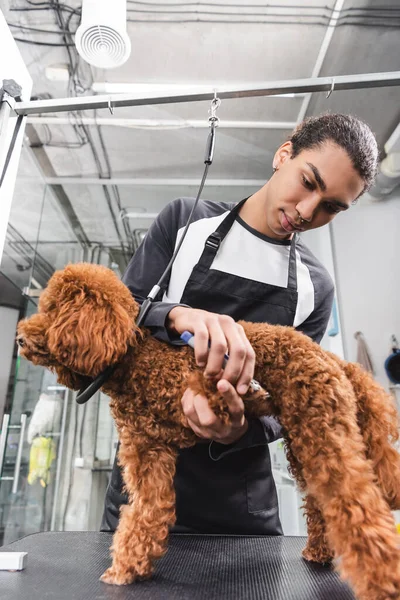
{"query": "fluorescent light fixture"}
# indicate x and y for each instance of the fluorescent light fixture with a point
(139, 215)
(155, 89)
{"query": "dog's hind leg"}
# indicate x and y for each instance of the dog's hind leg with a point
(326, 440)
(142, 533)
(317, 548)
(378, 420)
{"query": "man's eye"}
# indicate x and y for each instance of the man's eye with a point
(307, 183)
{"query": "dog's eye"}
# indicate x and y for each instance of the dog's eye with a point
(20, 342)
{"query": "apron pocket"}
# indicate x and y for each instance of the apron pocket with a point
(261, 490)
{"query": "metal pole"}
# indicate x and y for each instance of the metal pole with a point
(155, 124)
(5, 112)
(59, 461)
(321, 84)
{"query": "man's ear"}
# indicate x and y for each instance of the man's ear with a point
(93, 323)
(283, 153)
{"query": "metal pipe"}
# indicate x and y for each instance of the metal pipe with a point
(163, 123)
(321, 84)
(3, 440)
(5, 112)
(59, 461)
(19, 454)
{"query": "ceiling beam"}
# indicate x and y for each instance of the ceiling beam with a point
(323, 51)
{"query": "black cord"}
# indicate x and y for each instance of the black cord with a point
(25, 27)
(35, 43)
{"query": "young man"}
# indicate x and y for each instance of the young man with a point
(245, 261)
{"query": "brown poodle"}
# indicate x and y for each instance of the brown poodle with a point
(338, 426)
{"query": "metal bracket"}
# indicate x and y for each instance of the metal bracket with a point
(10, 92)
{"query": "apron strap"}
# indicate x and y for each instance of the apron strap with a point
(214, 240)
(292, 276)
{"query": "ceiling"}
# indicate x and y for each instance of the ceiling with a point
(79, 177)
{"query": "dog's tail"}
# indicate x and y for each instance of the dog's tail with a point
(378, 420)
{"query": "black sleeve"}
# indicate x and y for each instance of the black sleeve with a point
(148, 263)
(315, 325)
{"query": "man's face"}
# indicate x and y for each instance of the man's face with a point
(316, 185)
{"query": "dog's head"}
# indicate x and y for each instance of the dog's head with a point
(85, 322)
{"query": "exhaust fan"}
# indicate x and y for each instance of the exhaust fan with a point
(101, 38)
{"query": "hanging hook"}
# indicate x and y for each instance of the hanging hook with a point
(332, 88)
(215, 104)
(110, 107)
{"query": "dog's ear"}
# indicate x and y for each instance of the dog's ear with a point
(93, 318)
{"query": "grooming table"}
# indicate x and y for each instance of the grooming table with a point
(67, 566)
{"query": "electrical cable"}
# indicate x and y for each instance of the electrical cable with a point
(36, 43)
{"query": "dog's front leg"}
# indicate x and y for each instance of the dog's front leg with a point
(142, 533)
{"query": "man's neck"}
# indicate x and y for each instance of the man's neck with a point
(253, 212)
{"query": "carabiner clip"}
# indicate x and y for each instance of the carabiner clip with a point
(215, 104)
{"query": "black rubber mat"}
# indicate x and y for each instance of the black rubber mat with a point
(67, 566)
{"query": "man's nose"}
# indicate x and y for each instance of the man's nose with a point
(307, 207)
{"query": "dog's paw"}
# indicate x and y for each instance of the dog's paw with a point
(117, 577)
(318, 556)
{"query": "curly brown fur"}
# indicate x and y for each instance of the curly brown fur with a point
(338, 426)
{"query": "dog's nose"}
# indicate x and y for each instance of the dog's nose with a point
(20, 341)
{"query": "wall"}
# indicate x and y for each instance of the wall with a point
(366, 245)
(319, 241)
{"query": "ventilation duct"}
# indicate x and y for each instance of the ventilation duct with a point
(389, 175)
(101, 38)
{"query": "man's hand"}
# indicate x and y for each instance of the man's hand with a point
(225, 336)
(206, 424)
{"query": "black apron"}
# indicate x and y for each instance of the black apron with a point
(235, 494)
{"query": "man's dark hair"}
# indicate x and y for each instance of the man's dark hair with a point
(346, 131)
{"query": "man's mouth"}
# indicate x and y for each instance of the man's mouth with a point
(288, 224)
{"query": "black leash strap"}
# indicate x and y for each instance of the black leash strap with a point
(92, 388)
